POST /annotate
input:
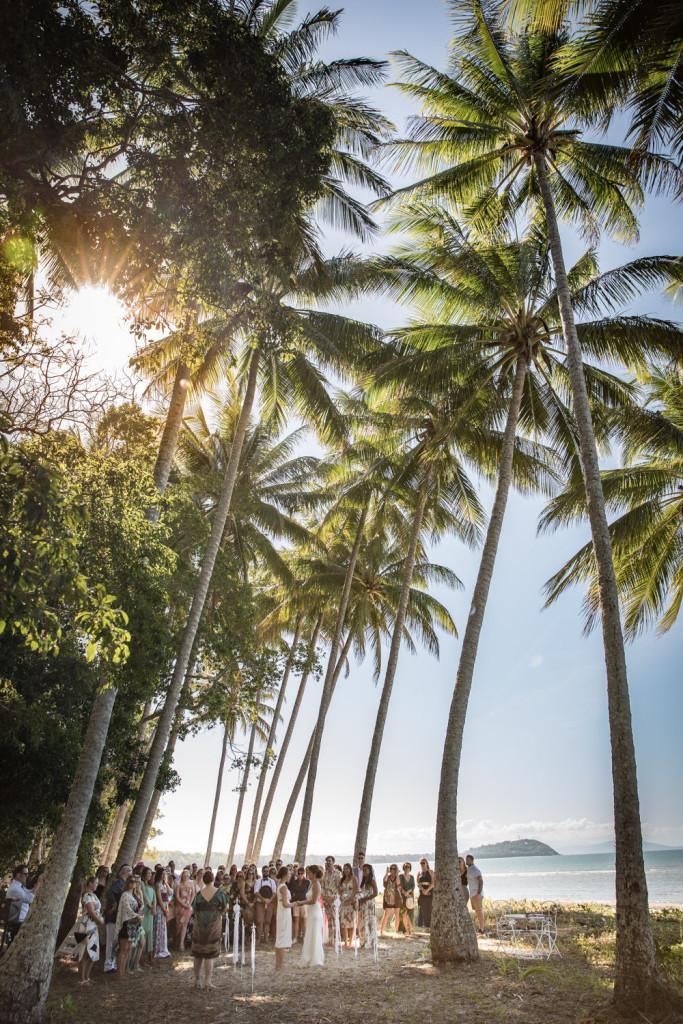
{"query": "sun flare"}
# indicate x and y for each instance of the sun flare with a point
(95, 315)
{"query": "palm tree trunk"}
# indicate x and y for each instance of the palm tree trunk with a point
(243, 785)
(27, 964)
(115, 834)
(271, 740)
(637, 983)
(302, 841)
(216, 801)
(283, 750)
(397, 636)
(452, 934)
(153, 806)
(174, 421)
(120, 818)
(166, 717)
(296, 788)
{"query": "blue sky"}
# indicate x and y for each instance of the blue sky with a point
(536, 753)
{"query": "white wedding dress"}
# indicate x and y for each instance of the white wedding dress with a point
(283, 937)
(313, 954)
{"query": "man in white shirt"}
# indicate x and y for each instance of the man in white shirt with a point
(264, 890)
(17, 891)
(475, 884)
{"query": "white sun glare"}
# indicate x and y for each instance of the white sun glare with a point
(96, 316)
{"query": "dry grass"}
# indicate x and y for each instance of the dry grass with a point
(404, 987)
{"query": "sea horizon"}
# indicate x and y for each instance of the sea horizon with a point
(564, 878)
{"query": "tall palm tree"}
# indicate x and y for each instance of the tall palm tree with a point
(499, 318)
(440, 498)
(286, 353)
(503, 130)
(647, 535)
(375, 590)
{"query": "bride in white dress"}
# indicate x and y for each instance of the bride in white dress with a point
(283, 938)
(313, 954)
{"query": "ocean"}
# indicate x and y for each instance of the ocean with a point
(576, 878)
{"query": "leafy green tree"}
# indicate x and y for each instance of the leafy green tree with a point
(101, 500)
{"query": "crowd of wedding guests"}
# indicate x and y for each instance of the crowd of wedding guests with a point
(144, 909)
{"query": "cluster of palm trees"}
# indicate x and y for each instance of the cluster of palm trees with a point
(513, 367)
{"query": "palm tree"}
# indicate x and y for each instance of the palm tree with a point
(272, 789)
(501, 311)
(194, 357)
(375, 588)
(504, 130)
(647, 535)
(284, 353)
(437, 495)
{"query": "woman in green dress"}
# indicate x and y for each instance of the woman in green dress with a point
(149, 901)
(209, 905)
(406, 884)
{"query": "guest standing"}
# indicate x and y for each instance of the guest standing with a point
(160, 916)
(149, 906)
(406, 885)
(128, 919)
(88, 949)
(425, 883)
(298, 887)
(247, 898)
(329, 885)
(113, 898)
(463, 880)
(209, 907)
(348, 887)
(264, 895)
(184, 894)
(283, 938)
(475, 884)
(367, 914)
(391, 898)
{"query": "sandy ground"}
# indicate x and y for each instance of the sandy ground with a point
(403, 986)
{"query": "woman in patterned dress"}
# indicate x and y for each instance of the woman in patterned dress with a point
(128, 919)
(209, 907)
(248, 898)
(329, 884)
(183, 896)
(406, 883)
(88, 949)
(149, 906)
(161, 915)
(391, 900)
(348, 887)
(366, 907)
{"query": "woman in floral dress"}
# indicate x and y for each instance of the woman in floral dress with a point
(348, 887)
(366, 908)
(184, 894)
(329, 884)
(88, 949)
(161, 915)
(248, 899)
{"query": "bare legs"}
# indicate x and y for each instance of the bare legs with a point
(385, 918)
(123, 959)
(84, 969)
(208, 972)
(181, 935)
(406, 923)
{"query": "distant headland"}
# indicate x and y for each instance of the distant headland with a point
(514, 848)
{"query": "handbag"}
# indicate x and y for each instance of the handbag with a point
(410, 902)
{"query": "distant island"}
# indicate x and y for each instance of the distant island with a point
(514, 848)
